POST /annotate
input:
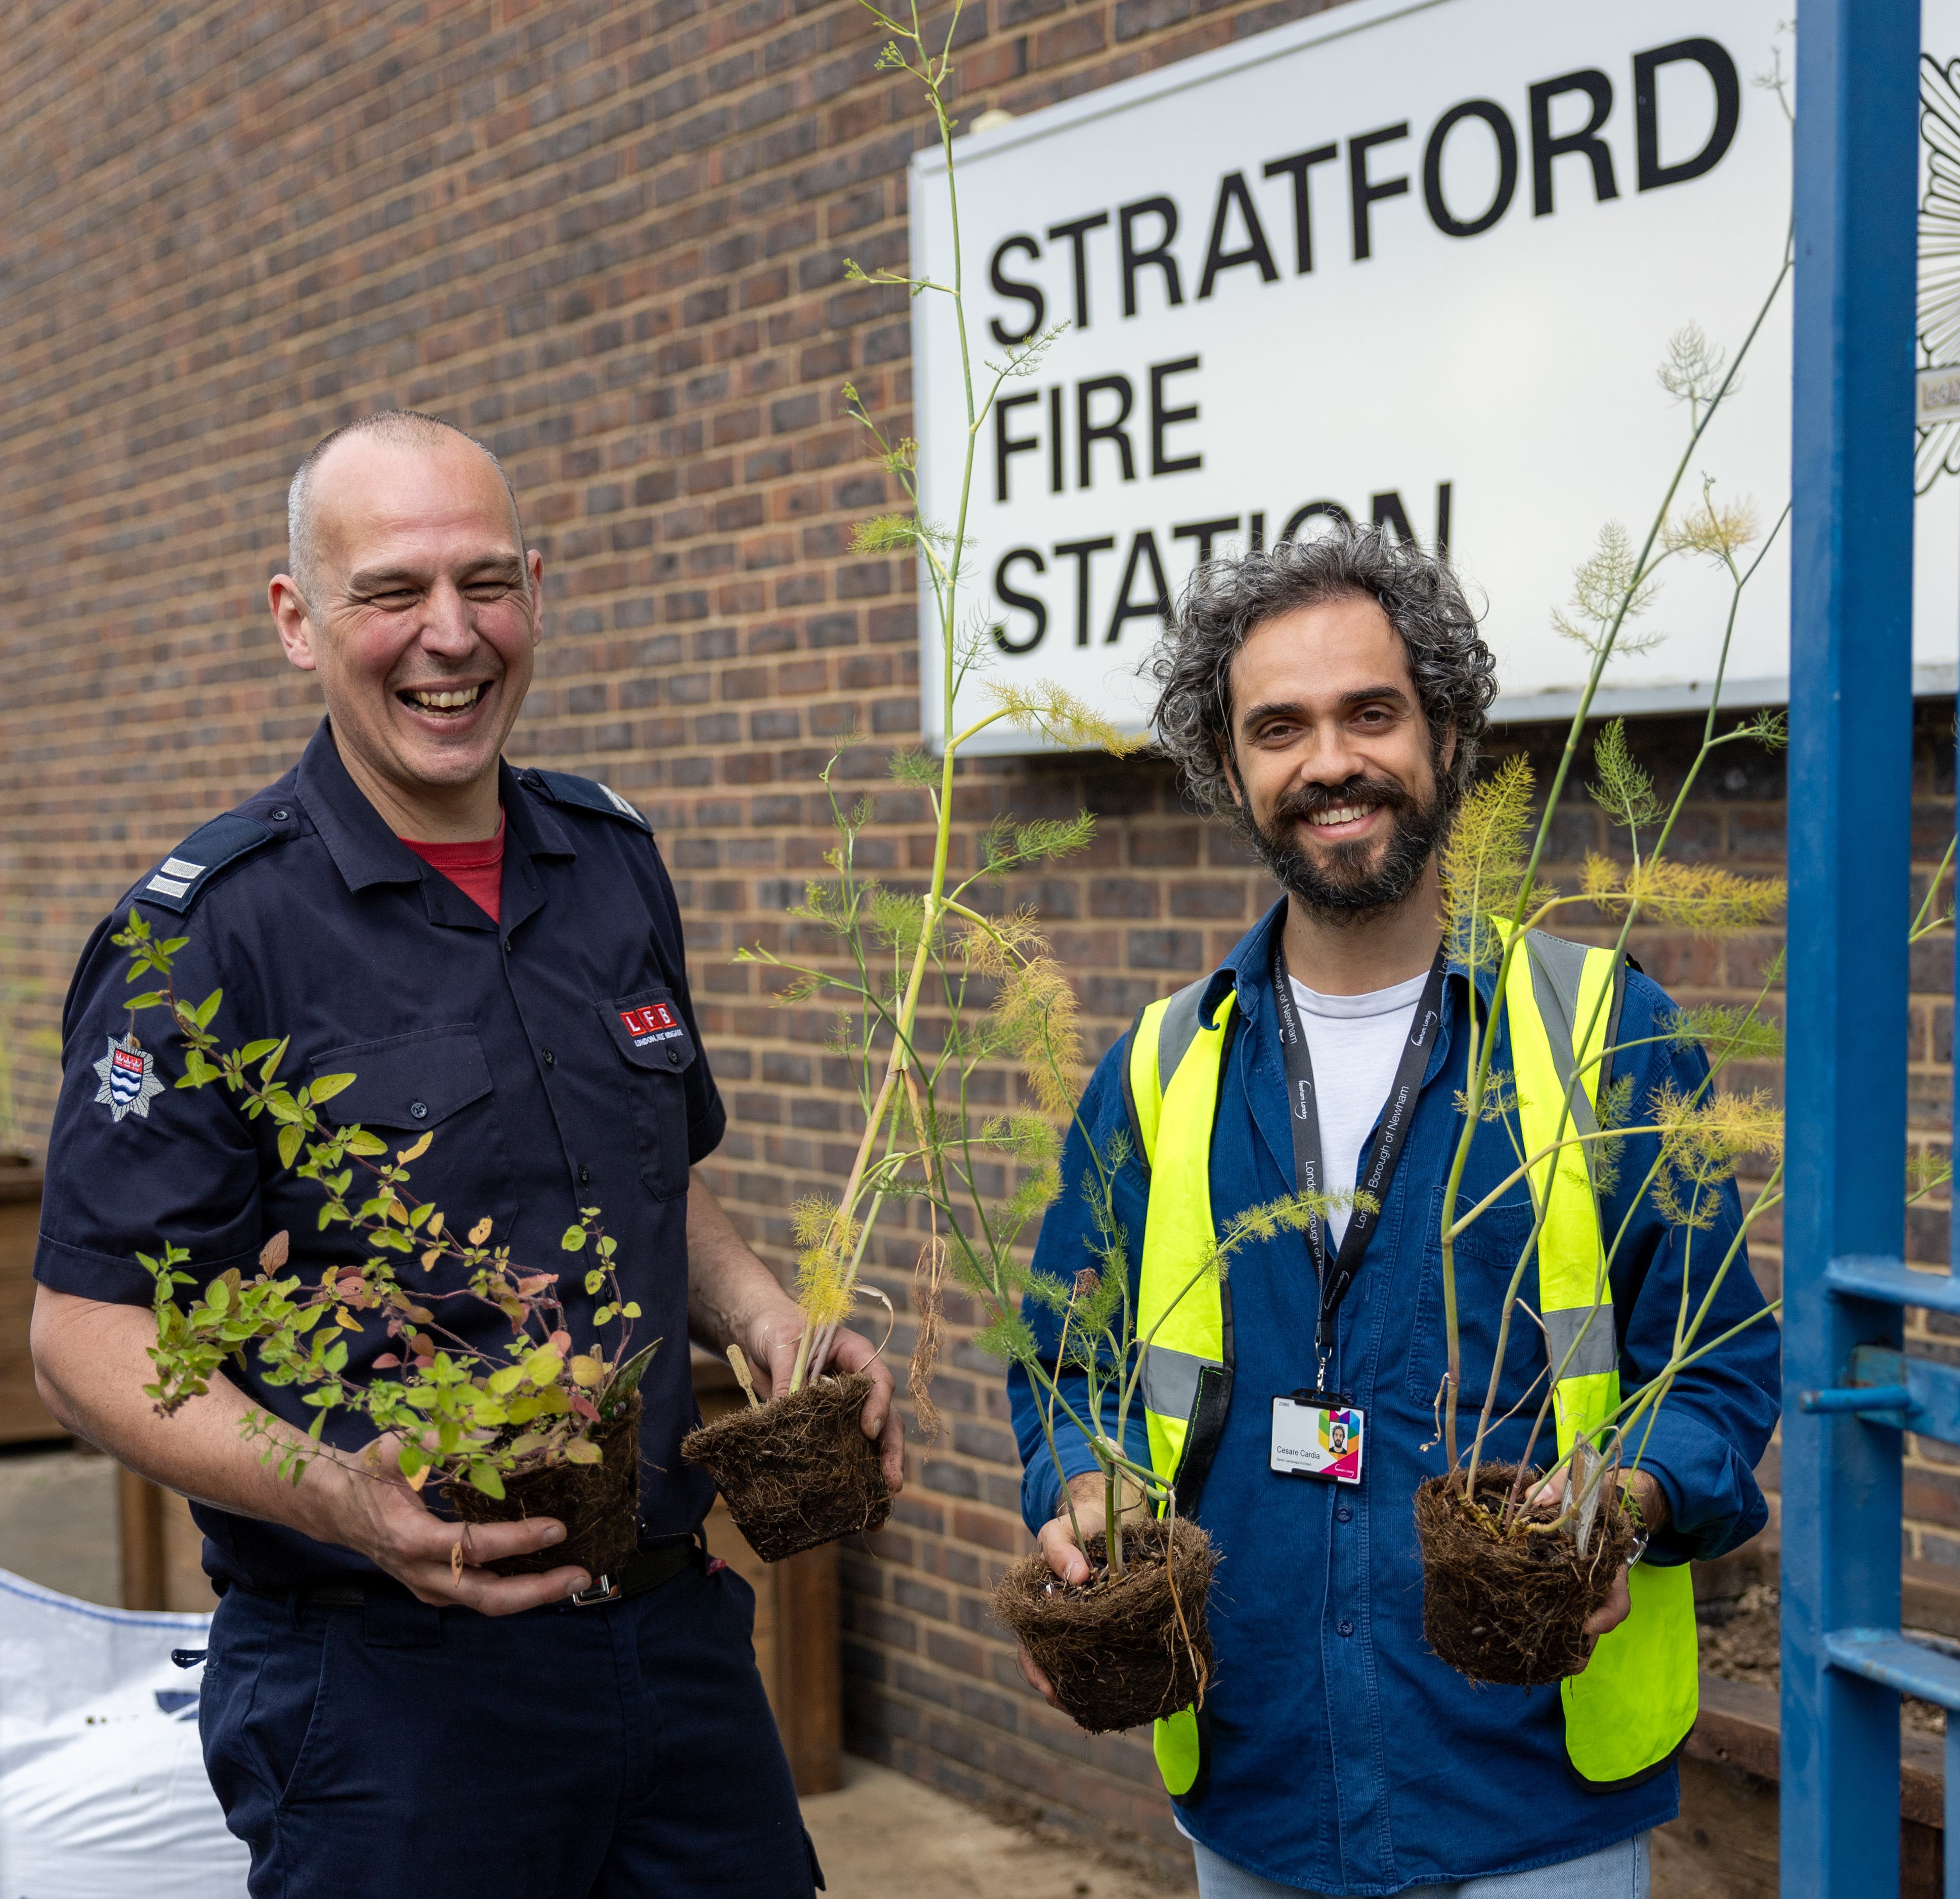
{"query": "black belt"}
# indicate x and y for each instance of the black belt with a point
(643, 1571)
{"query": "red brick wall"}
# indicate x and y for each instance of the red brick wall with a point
(610, 238)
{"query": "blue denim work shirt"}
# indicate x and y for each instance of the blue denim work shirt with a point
(507, 1041)
(1345, 1757)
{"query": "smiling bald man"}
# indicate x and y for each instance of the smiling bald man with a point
(484, 949)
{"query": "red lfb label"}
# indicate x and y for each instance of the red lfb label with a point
(648, 1021)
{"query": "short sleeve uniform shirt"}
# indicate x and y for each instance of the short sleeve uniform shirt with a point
(553, 1057)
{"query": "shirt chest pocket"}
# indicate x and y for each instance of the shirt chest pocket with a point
(433, 1081)
(652, 1042)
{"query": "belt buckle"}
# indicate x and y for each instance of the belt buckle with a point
(603, 1589)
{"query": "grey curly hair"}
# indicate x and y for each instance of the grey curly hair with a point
(1225, 599)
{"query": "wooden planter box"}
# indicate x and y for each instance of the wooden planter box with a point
(23, 1417)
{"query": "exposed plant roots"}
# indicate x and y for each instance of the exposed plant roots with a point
(928, 1280)
(1120, 1652)
(598, 1504)
(799, 1470)
(1511, 1610)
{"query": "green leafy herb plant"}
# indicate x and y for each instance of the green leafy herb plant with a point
(474, 1419)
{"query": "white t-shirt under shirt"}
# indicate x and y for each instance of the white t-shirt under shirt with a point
(1356, 1042)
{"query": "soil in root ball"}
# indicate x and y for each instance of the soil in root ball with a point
(1511, 1611)
(1115, 1647)
(799, 1470)
(598, 1504)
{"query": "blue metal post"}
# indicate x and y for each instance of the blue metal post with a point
(1850, 797)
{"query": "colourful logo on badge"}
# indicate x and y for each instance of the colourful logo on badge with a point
(1340, 1439)
(655, 1022)
(128, 1075)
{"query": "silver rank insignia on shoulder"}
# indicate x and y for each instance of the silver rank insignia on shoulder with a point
(174, 876)
(128, 1077)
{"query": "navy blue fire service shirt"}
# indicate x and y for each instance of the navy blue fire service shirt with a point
(553, 1056)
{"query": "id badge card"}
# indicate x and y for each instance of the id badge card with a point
(1318, 1434)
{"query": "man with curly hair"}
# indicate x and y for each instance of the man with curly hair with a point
(1327, 698)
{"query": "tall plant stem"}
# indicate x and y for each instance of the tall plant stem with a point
(1048, 1431)
(1479, 1077)
(1710, 741)
(946, 588)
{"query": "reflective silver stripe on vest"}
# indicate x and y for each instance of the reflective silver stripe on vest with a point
(1556, 969)
(1598, 1351)
(1176, 1032)
(1170, 1380)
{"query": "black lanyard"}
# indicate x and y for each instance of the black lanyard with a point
(1392, 1133)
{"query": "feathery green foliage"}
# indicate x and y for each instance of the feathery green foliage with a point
(1625, 790)
(1926, 1173)
(1006, 846)
(1727, 1033)
(1495, 898)
(1483, 867)
(1611, 585)
(935, 993)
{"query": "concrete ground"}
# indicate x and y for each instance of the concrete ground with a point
(882, 1836)
(58, 1521)
(885, 1837)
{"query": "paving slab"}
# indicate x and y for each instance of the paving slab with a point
(58, 1521)
(885, 1837)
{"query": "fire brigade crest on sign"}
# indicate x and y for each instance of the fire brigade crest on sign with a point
(128, 1078)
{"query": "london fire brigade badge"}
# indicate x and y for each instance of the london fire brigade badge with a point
(128, 1077)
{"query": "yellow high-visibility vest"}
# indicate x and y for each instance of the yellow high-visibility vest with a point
(1627, 1714)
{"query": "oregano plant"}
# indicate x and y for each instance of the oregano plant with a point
(463, 1412)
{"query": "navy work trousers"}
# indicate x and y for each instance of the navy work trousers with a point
(397, 1752)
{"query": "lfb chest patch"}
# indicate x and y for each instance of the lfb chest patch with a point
(128, 1074)
(654, 1022)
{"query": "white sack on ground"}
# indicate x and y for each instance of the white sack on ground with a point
(103, 1792)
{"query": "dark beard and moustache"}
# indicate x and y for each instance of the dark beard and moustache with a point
(1343, 885)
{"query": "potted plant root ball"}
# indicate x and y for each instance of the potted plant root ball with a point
(1129, 1646)
(1516, 1558)
(1509, 1583)
(529, 1424)
(597, 1499)
(799, 1472)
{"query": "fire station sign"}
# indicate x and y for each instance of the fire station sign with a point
(1415, 264)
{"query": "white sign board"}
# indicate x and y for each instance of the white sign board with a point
(1411, 263)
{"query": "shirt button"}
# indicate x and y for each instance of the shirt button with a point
(1342, 1514)
(1346, 1628)
(584, 1176)
(419, 1109)
(674, 1057)
(281, 815)
(551, 1061)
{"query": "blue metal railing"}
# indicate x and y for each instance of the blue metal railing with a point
(1845, 1662)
